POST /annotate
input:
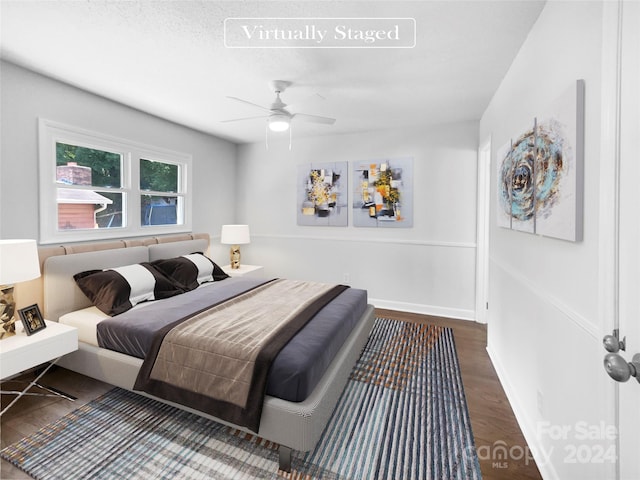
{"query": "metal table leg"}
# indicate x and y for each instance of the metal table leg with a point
(34, 383)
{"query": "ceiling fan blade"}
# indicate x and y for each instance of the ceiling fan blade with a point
(311, 98)
(315, 118)
(245, 118)
(249, 103)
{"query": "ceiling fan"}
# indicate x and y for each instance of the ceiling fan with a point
(278, 117)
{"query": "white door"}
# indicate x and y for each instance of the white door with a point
(629, 321)
(625, 128)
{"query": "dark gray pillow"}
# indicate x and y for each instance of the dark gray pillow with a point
(116, 290)
(190, 271)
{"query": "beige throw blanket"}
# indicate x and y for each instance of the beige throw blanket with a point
(218, 360)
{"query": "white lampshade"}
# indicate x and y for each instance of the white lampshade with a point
(18, 261)
(235, 234)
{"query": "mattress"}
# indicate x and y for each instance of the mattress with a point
(295, 371)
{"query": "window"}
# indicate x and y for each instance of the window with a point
(94, 186)
(161, 204)
(89, 191)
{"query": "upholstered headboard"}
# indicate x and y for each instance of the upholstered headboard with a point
(62, 295)
(175, 249)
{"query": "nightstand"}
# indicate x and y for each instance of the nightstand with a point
(244, 271)
(21, 352)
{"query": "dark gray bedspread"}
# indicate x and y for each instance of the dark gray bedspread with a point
(297, 368)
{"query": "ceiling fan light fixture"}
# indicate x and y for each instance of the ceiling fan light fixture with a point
(278, 123)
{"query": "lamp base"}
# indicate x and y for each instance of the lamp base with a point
(234, 255)
(8, 329)
(7, 310)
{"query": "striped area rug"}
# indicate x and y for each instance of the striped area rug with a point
(402, 415)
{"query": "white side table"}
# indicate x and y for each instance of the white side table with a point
(21, 352)
(244, 271)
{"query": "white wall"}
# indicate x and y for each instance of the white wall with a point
(428, 268)
(26, 96)
(544, 331)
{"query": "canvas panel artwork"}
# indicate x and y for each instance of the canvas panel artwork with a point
(383, 193)
(322, 194)
(540, 177)
(517, 171)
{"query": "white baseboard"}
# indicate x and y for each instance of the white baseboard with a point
(456, 313)
(525, 422)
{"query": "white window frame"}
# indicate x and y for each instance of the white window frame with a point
(51, 133)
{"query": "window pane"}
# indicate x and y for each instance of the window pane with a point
(80, 209)
(77, 165)
(158, 176)
(161, 210)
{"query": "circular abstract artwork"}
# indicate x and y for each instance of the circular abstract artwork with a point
(531, 173)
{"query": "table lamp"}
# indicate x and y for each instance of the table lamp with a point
(235, 235)
(18, 263)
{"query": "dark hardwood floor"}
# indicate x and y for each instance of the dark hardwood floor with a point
(492, 419)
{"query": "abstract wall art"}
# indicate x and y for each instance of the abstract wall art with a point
(322, 194)
(540, 172)
(383, 193)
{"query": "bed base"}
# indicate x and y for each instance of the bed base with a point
(292, 425)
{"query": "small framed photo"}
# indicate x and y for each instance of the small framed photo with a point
(32, 319)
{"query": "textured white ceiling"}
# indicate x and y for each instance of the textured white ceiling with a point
(168, 58)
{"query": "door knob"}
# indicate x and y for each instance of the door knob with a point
(621, 370)
(612, 343)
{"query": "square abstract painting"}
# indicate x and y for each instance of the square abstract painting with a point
(322, 194)
(383, 193)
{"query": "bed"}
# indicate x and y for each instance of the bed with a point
(292, 423)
